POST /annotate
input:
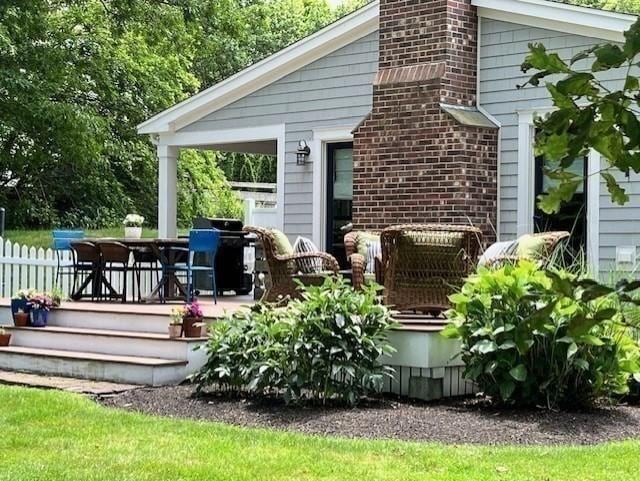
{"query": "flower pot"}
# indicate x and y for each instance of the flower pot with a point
(39, 317)
(175, 330)
(19, 305)
(192, 326)
(133, 232)
(21, 319)
(5, 339)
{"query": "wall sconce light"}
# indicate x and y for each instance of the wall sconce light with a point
(302, 154)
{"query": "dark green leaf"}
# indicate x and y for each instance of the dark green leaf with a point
(506, 389)
(519, 373)
(608, 56)
(632, 40)
(618, 194)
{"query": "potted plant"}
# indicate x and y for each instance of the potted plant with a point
(5, 337)
(20, 302)
(192, 320)
(41, 303)
(133, 226)
(175, 324)
(57, 296)
(21, 318)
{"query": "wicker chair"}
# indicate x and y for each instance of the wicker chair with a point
(552, 240)
(357, 261)
(423, 264)
(283, 269)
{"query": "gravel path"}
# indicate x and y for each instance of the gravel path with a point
(452, 422)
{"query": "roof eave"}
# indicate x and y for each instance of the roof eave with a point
(560, 17)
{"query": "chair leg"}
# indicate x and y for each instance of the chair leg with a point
(58, 273)
(124, 284)
(137, 281)
(189, 286)
(215, 289)
(75, 279)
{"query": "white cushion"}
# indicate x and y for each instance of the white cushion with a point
(496, 250)
(307, 266)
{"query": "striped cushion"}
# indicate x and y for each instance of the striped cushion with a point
(307, 266)
(373, 250)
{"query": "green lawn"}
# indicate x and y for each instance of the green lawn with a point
(50, 435)
(42, 237)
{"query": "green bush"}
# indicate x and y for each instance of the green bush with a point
(536, 337)
(326, 345)
(203, 190)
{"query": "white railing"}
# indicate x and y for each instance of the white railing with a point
(260, 216)
(23, 267)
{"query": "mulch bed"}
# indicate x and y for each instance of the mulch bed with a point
(451, 422)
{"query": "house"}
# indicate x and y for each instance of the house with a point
(412, 113)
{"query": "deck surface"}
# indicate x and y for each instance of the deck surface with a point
(225, 305)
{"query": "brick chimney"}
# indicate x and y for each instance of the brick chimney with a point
(425, 153)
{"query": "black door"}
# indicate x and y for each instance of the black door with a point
(339, 197)
(572, 216)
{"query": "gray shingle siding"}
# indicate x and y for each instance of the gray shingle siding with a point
(503, 48)
(335, 90)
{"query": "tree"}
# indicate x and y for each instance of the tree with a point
(588, 115)
(628, 6)
(75, 79)
(77, 76)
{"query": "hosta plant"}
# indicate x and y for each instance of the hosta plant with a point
(542, 337)
(326, 345)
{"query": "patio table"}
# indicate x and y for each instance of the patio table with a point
(173, 287)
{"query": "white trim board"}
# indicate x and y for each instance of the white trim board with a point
(248, 134)
(526, 178)
(493, 119)
(318, 157)
(329, 39)
(562, 17)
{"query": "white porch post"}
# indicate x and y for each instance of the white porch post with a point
(167, 190)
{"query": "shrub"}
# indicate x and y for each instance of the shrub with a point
(536, 337)
(325, 345)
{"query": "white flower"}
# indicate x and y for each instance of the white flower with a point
(340, 320)
(133, 220)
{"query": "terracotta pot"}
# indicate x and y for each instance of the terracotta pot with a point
(192, 327)
(5, 339)
(21, 319)
(175, 330)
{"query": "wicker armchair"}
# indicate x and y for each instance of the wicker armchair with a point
(423, 264)
(358, 261)
(283, 269)
(552, 240)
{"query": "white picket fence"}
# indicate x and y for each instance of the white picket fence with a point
(23, 267)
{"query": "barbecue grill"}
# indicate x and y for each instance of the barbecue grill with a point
(231, 272)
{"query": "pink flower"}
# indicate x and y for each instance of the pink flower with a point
(194, 309)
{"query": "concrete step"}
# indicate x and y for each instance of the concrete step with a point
(104, 341)
(90, 365)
